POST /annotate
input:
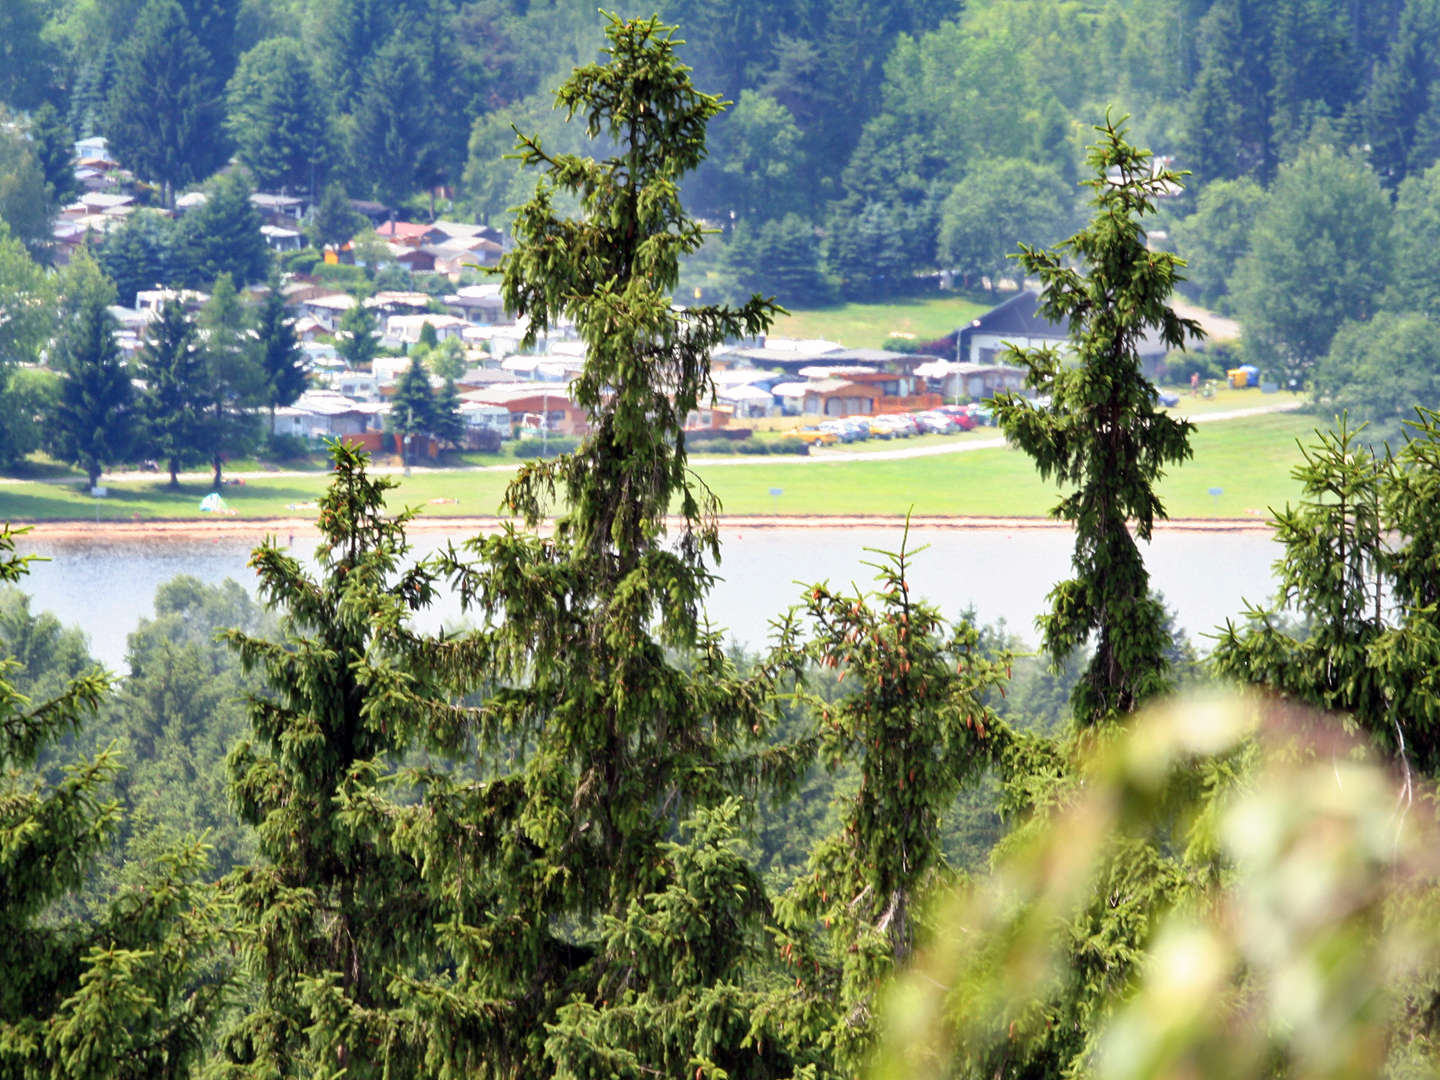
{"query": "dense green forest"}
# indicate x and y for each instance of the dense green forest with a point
(300, 837)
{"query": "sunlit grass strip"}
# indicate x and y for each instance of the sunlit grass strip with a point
(1249, 460)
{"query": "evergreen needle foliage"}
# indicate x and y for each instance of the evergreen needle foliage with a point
(1102, 430)
(327, 913)
(602, 921)
(1359, 572)
(131, 992)
(915, 727)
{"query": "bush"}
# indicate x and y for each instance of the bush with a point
(485, 440)
(782, 446)
(347, 277)
(286, 448)
(553, 446)
(303, 261)
(1211, 361)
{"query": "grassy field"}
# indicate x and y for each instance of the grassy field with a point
(866, 326)
(1249, 460)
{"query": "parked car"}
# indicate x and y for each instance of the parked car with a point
(983, 415)
(1168, 398)
(846, 433)
(960, 414)
(936, 423)
(902, 424)
(812, 436)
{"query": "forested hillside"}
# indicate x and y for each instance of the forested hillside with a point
(869, 148)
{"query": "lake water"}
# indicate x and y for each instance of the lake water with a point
(107, 587)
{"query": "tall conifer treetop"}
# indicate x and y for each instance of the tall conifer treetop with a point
(577, 952)
(1102, 431)
(612, 269)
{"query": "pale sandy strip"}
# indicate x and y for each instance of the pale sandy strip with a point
(239, 528)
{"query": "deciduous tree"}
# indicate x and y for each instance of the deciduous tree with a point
(1319, 254)
(1000, 203)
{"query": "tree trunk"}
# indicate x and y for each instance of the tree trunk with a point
(174, 472)
(93, 471)
(216, 462)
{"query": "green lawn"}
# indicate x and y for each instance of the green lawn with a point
(1249, 460)
(866, 326)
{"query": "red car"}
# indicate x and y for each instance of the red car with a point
(960, 414)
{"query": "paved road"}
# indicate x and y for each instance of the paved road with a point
(817, 454)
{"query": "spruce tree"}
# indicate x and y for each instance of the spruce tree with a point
(164, 109)
(447, 424)
(278, 349)
(600, 919)
(356, 340)
(915, 726)
(234, 380)
(330, 913)
(95, 422)
(172, 365)
(131, 991)
(1102, 431)
(1360, 550)
(412, 409)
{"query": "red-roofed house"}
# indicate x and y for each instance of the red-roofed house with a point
(409, 233)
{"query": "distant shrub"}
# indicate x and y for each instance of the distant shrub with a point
(553, 446)
(286, 448)
(303, 261)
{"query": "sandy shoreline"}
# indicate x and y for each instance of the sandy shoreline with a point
(241, 528)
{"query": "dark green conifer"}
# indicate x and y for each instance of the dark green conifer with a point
(331, 913)
(172, 365)
(1103, 432)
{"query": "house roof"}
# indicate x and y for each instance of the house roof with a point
(1019, 317)
(439, 322)
(866, 356)
(742, 376)
(332, 302)
(404, 230)
(830, 386)
(484, 291)
(398, 298)
(506, 394)
(828, 371)
(478, 377)
(276, 202)
(743, 393)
